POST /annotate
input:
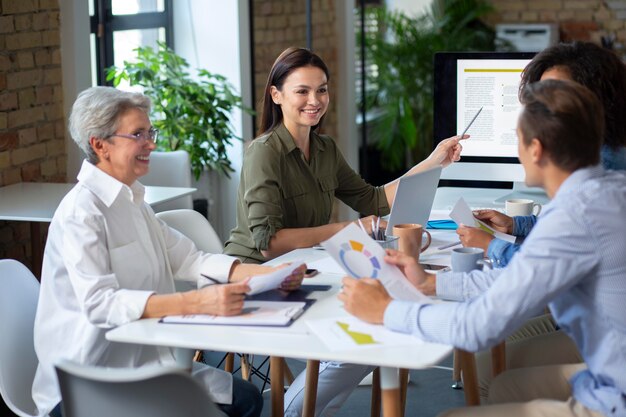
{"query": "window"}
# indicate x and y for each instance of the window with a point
(119, 26)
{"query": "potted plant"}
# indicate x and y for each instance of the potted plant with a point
(402, 87)
(193, 115)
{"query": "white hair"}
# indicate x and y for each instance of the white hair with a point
(96, 111)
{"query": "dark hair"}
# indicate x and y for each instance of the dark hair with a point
(288, 61)
(598, 69)
(566, 118)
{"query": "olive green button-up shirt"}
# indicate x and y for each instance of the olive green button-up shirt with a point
(280, 189)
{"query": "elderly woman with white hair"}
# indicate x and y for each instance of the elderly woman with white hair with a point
(109, 260)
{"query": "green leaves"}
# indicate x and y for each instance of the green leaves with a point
(403, 84)
(190, 114)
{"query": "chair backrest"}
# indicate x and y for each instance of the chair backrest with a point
(19, 291)
(195, 226)
(170, 169)
(127, 392)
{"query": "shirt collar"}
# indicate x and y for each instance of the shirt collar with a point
(107, 188)
(574, 181)
(315, 145)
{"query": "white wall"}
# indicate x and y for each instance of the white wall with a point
(207, 35)
(409, 7)
(76, 68)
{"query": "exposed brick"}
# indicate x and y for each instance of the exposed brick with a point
(55, 147)
(530, 16)
(27, 98)
(59, 129)
(5, 63)
(8, 140)
(57, 94)
(53, 111)
(42, 57)
(27, 136)
(51, 38)
(566, 14)
(45, 132)
(3, 42)
(620, 14)
(54, 20)
(550, 16)
(23, 40)
(260, 22)
(545, 5)
(49, 168)
(17, 80)
(44, 95)
(18, 6)
(55, 55)
(11, 176)
(8, 101)
(30, 153)
(48, 4)
(25, 60)
(602, 14)
(41, 21)
(510, 17)
(7, 24)
(25, 117)
(31, 172)
(5, 160)
(614, 24)
(52, 76)
(23, 22)
(4, 120)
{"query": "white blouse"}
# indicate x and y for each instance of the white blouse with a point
(106, 254)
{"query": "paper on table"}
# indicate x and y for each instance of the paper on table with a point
(360, 256)
(327, 265)
(255, 313)
(462, 214)
(348, 332)
(271, 281)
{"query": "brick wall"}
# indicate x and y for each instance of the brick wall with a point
(32, 127)
(577, 19)
(278, 24)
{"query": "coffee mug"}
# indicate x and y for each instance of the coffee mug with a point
(410, 238)
(522, 207)
(468, 259)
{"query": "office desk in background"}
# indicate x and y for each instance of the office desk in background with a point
(36, 202)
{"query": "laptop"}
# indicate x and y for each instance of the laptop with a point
(414, 199)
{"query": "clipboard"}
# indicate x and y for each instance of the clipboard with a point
(255, 313)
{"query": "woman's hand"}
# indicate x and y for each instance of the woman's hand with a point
(474, 237)
(447, 151)
(498, 221)
(294, 281)
(222, 299)
(365, 298)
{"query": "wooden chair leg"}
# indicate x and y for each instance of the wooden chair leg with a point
(245, 367)
(229, 362)
(376, 394)
(470, 378)
(198, 356)
(498, 359)
(404, 384)
(456, 371)
(278, 391)
(310, 388)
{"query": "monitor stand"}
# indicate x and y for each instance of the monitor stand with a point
(521, 190)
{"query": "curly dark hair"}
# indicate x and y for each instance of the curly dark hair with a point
(598, 69)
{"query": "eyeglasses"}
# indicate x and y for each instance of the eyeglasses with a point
(150, 135)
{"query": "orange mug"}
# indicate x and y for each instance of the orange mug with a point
(410, 238)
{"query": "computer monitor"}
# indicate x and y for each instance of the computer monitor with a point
(463, 83)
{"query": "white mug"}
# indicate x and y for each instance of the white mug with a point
(522, 207)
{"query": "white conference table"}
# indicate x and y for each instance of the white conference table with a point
(36, 202)
(295, 341)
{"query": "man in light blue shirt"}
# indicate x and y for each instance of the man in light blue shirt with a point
(574, 260)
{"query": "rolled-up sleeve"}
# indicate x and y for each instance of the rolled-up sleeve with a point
(261, 174)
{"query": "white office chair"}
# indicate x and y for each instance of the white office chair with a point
(130, 392)
(170, 169)
(195, 226)
(19, 290)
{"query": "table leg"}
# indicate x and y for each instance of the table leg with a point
(470, 378)
(498, 359)
(278, 389)
(184, 357)
(36, 250)
(310, 388)
(390, 385)
(375, 401)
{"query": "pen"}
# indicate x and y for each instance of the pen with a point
(449, 245)
(378, 228)
(213, 280)
(472, 121)
(373, 230)
(361, 225)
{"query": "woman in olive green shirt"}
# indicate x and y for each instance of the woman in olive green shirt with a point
(290, 177)
(291, 174)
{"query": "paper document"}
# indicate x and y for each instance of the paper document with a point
(360, 256)
(348, 332)
(271, 281)
(255, 313)
(462, 214)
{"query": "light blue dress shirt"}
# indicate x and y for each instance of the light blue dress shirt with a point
(574, 260)
(501, 252)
